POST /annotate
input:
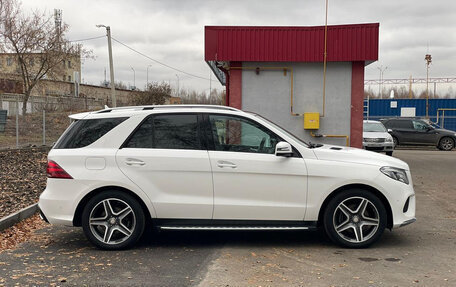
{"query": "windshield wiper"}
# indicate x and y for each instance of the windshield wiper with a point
(314, 145)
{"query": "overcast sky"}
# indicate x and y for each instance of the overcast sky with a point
(172, 32)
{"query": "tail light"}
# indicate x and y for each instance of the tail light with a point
(55, 171)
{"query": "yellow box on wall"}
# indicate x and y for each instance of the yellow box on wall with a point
(311, 121)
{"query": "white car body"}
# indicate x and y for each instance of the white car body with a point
(218, 185)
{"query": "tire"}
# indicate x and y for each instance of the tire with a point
(113, 220)
(390, 153)
(446, 143)
(395, 141)
(344, 211)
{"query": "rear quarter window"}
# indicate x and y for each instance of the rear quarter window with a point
(85, 132)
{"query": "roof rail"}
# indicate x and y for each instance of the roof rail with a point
(151, 107)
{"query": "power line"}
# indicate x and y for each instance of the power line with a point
(161, 63)
(87, 39)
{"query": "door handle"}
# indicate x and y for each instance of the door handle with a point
(133, 161)
(224, 163)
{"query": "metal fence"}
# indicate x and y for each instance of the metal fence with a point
(46, 118)
(440, 111)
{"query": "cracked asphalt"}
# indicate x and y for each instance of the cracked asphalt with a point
(421, 254)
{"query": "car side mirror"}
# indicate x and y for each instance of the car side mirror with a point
(429, 128)
(390, 130)
(283, 149)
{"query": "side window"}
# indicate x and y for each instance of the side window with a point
(143, 136)
(85, 132)
(401, 124)
(419, 125)
(241, 135)
(179, 131)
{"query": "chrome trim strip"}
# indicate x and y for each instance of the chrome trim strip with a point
(407, 222)
(233, 228)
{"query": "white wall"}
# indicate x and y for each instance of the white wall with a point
(269, 95)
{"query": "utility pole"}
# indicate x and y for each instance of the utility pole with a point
(177, 85)
(428, 59)
(147, 80)
(382, 70)
(111, 65)
(134, 78)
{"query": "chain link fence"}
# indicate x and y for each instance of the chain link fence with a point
(46, 118)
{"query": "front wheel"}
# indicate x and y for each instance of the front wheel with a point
(113, 220)
(390, 153)
(355, 218)
(446, 143)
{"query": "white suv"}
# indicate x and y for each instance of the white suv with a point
(117, 171)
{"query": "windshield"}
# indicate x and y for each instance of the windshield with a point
(289, 134)
(374, 127)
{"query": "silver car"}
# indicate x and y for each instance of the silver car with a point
(376, 137)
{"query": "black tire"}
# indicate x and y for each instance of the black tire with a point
(127, 221)
(395, 141)
(390, 153)
(446, 143)
(334, 216)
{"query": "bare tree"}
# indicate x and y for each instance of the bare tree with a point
(156, 94)
(40, 48)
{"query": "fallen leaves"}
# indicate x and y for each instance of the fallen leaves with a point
(22, 178)
(21, 232)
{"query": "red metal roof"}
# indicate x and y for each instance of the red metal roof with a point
(357, 42)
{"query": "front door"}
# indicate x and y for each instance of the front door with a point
(250, 181)
(166, 158)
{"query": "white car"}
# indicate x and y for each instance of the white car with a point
(376, 137)
(118, 171)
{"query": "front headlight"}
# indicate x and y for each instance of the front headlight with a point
(395, 173)
(389, 140)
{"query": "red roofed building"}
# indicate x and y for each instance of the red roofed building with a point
(278, 73)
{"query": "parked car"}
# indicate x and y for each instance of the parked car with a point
(413, 131)
(377, 138)
(118, 171)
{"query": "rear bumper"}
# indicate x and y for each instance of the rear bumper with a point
(59, 200)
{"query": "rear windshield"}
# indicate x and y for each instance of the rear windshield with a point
(84, 132)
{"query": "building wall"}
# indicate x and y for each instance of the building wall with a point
(269, 95)
(9, 64)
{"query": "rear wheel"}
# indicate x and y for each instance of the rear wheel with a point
(113, 220)
(355, 218)
(446, 143)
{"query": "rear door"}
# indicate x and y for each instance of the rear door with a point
(167, 159)
(250, 181)
(402, 129)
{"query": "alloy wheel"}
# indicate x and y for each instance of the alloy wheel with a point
(356, 219)
(446, 143)
(112, 221)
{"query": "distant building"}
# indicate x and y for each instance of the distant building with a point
(70, 68)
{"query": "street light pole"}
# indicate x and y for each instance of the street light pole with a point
(111, 65)
(177, 85)
(134, 78)
(380, 88)
(147, 81)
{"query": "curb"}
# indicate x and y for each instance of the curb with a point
(16, 217)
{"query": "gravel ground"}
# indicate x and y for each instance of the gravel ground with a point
(22, 178)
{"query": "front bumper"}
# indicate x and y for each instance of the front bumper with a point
(380, 147)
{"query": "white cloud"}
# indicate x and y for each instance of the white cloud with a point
(173, 32)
